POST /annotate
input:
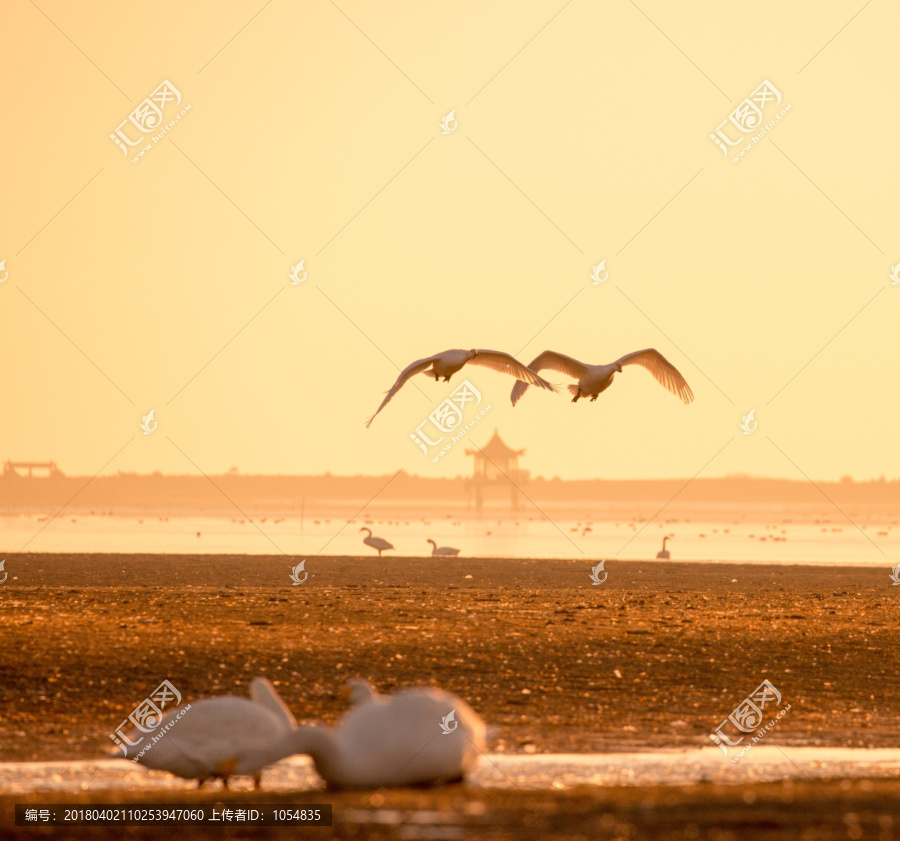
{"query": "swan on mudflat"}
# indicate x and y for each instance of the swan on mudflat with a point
(376, 542)
(217, 737)
(664, 553)
(419, 735)
(442, 550)
(594, 379)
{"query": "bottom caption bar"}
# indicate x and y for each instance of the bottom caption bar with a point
(172, 814)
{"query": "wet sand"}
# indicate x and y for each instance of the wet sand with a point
(816, 811)
(656, 656)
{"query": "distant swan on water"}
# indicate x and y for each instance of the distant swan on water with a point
(442, 550)
(376, 542)
(664, 553)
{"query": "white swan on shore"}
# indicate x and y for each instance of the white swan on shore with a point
(446, 364)
(442, 550)
(420, 735)
(218, 737)
(376, 542)
(594, 379)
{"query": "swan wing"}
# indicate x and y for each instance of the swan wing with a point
(552, 361)
(208, 736)
(409, 371)
(497, 360)
(663, 371)
(262, 692)
(397, 740)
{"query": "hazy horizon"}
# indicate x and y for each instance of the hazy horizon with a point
(40, 473)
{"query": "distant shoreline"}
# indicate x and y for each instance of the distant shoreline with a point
(53, 570)
(291, 495)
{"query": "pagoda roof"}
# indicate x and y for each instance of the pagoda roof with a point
(496, 448)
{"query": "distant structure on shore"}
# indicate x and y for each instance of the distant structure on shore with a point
(12, 468)
(41, 485)
(496, 466)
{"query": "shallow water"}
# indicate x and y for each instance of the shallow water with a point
(823, 542)
(503, 771)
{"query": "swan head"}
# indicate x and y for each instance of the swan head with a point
(368, 530)
(619, 368)
(474, 353)
(357, 691)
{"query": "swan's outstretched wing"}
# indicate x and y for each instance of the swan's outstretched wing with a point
(409, 371)
(553, 361)
(497, 360)
(664, 372)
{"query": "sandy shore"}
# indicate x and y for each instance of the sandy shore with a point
(656, 656)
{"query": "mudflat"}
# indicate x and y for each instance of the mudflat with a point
(656, 656)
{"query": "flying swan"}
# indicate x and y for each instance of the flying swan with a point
(594, 379)
(446, 364)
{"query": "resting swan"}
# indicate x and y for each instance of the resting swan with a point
(419, 735)
(441, 550)
(216, 737)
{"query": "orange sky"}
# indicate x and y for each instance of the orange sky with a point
(582, 134)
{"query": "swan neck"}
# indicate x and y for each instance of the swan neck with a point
(321, 745)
